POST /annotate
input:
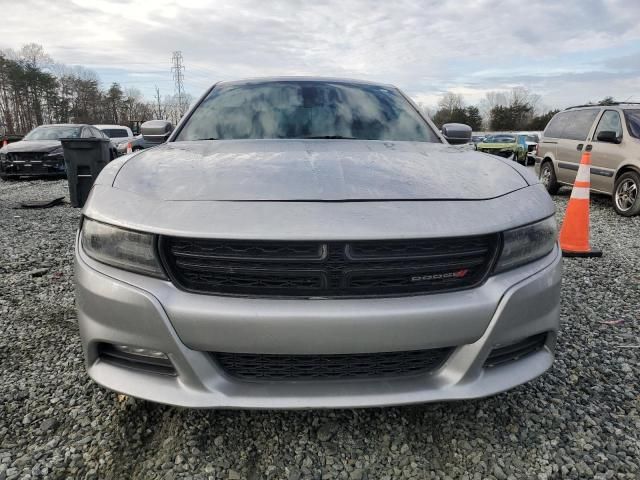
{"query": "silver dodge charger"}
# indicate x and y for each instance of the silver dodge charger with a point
(315, 243)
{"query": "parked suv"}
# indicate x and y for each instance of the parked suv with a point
(310, 243)
(119, 134)
(612, 134)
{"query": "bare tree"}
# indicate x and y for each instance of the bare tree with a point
(523, 96)
(35, 56)
(451, 101)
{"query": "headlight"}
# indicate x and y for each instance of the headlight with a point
(55, 153)
(526, 244)
(126, 249)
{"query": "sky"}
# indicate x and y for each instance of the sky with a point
(569, 52)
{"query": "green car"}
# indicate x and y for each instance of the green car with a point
(505, 145)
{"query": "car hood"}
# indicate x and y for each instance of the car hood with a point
(315, 170)
(32, 146)
(497, 145)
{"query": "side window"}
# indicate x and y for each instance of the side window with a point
(610, 121)
(579, 123)
(557, 125)
(633, 122)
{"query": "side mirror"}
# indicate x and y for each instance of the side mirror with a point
(156, 131)
(456, 133)
(608, 136)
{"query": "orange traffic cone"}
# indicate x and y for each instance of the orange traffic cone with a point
(129, 149)
(574, 235)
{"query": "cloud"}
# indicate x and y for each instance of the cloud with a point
(424, 47)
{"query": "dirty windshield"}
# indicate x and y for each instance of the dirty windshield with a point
(53, 133)
(306, 109)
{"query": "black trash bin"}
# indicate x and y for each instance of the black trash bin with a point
(84, 159)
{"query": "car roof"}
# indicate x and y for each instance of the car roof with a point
(111, 126)
(64, 125)
(304, 79)
(623, 105)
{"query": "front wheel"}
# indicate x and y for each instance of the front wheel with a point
(548, 178)
(626, 201)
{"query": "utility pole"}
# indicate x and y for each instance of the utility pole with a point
(177, 69)
(160, 114)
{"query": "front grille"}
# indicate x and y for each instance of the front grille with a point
(267, 367)
(32, 163)
(25, 156)
(327, 269)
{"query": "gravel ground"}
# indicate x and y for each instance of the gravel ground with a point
(580, 420)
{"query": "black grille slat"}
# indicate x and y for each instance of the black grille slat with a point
(268, 367)
(327, 269)
(415, 249)
(229, 249)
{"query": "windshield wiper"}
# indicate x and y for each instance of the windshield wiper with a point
(331, 137)
(200, 139)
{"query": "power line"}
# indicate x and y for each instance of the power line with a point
(178, 77)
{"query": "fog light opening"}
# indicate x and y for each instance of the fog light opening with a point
(136, 358)
(144, 352)
(515, 351)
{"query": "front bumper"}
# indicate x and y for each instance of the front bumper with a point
(125, 308)
(45, 167)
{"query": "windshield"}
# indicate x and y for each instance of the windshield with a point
(633, 122)
(115, 132)
(500, 139)
(306, 109)
(53, 133)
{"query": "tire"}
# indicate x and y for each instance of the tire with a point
(626, 194)
(548, 177)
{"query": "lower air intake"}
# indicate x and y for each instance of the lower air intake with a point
(269, 367)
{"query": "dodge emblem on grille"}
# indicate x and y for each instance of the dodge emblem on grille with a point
(440, 276)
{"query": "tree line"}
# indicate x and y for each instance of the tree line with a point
(517, 109)
(35, 90)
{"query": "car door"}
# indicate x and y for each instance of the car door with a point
(576, 127)
(549, 140)
(606, 155)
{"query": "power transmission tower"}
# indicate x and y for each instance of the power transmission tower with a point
(177, 69)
